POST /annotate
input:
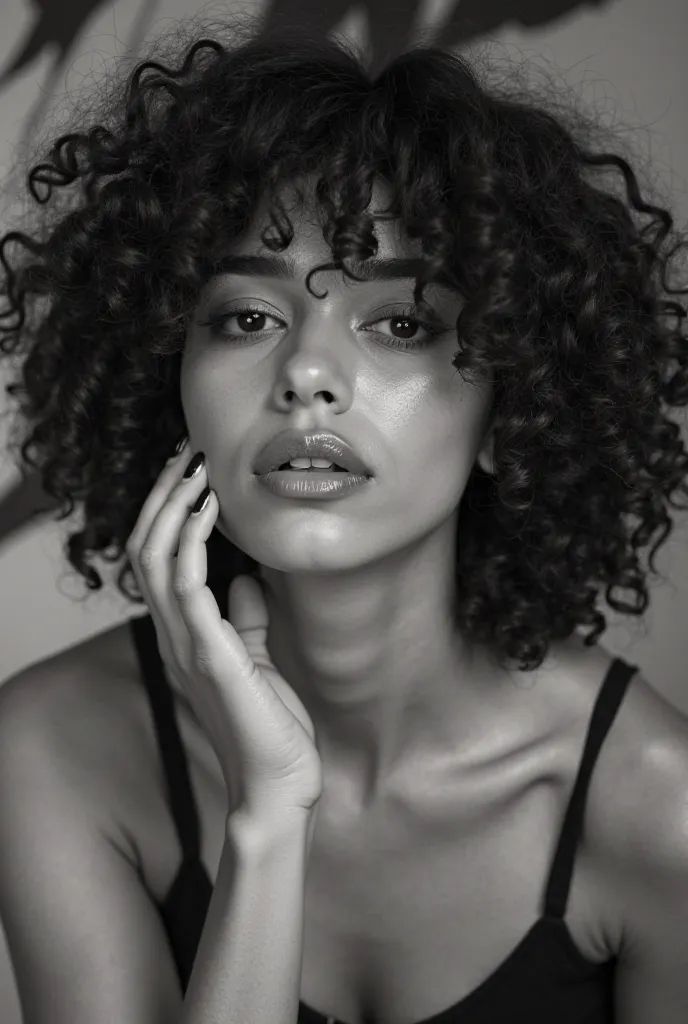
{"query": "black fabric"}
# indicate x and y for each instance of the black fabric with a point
(544, 979)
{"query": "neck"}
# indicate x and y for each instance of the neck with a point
(375, 657)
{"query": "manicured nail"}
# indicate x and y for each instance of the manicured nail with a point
(201, 501)
(194, 466)
(179, 449)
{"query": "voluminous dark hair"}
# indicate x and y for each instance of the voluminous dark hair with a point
(564, 310)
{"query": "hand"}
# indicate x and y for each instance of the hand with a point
(261, 733)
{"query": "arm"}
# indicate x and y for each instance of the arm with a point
(652, 861)
(86, 941)
(248, 967)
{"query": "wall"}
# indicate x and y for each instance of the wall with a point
(627, 58)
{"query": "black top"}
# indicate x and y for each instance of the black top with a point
(544, 979)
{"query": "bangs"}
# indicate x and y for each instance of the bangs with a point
(325, 139)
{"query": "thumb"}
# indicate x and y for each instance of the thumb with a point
(248, 613)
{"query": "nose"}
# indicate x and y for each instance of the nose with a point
(311, 376)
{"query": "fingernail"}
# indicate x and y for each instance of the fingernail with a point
(178, 450)
(194, 466)
(201, 502)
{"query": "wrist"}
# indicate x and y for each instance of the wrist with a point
(253, 833)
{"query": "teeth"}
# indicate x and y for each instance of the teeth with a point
(313, 465)
(307, 463)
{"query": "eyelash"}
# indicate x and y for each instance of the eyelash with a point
(433, 328)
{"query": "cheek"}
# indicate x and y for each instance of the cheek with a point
(432, 432)
(435, 485)
(216, 407)
(437, 454)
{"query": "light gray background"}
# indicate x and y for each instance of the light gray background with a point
(625, 58)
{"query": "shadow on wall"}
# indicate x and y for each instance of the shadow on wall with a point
(390, 30)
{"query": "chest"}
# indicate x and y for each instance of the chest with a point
(398, 929)
(409, 909)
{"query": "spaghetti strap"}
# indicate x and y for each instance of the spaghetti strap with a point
(175, 765)
(538, 981)
(607, 704)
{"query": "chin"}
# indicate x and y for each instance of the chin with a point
(308, 562)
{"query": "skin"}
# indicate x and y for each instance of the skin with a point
(359, 591)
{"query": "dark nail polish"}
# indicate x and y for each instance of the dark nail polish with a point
(180, 445)
(201, 501)
(194, 466)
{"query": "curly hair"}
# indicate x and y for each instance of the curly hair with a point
(564, 309)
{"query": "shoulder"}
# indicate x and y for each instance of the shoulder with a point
(86, 684)
(642, 770)
(79, 718)
(76, 897)
(634, 824)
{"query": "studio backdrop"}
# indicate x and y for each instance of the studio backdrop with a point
(622, 59)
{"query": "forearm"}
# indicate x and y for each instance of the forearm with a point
(248, 965)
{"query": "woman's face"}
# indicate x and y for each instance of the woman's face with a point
(339, 363)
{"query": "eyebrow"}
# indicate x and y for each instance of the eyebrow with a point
(285, 268)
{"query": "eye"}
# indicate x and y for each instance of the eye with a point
(400, 320)
(246, 313)
(253, 320)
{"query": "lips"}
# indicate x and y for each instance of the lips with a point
(294, 444)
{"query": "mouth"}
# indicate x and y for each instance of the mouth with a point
(287, 468)
(322, 451)
(328, 482)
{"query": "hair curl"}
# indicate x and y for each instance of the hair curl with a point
(563, 306)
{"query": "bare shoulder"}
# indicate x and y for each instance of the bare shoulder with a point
(75, 784)
(635, 811)
(89, 684)
(642, 770)
(82, 709)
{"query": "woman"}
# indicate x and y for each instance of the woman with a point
(381, 777)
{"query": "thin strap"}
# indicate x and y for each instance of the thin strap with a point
(607, 704)
(176, 769)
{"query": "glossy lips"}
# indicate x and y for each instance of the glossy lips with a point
(294, 444)
(308, 486)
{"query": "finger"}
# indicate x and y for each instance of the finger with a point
(196, 602)
(168, 510)
(218, 650)
(248, 613)
(167, 480)
(165, 513)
